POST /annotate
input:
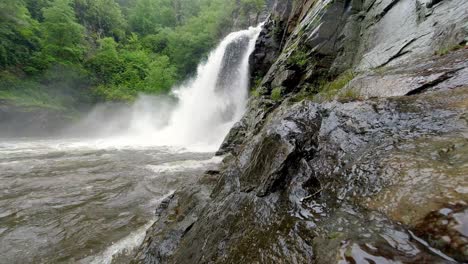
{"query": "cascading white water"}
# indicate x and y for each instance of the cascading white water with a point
(205, 108)
(207, 111)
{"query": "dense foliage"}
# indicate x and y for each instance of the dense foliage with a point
(107, 49)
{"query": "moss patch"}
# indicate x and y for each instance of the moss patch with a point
(447, 49)
(304, 94)
(255, 92)
(349, 95)
(276, 94)
(329, 90)
(298, 58)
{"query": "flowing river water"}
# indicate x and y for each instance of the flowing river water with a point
(68, 200)
(90, 200)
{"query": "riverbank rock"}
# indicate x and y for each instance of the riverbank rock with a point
(323, 183)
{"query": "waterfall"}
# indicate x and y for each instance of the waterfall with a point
(199, 118)
(216, 98)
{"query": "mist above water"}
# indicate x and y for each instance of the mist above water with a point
(197, 115)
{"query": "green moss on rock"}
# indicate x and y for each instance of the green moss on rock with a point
(276, 94)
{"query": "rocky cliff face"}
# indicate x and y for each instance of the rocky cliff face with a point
(354, 148)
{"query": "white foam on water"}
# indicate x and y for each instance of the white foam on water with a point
(46, 146)
(186, 165)
(124, 245)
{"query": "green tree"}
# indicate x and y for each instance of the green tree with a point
(35, 8)
(118, 47)
(63, 36)
(161, 75)
(19, 37)
(186, 9)
(102, 17)
(106, 62)
(148, 16)
(135, 64)
(157, 43)
(189, 43)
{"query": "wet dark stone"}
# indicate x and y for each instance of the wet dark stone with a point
(447, 229)
(234, 138)
(266, 50)
(291, 191)
(315, 182)
(164, 205)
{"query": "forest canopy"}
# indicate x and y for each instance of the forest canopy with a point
(55, 51)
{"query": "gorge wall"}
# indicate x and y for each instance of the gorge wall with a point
(354, 148)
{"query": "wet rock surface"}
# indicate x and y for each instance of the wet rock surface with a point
(304, 188)
(377, 177)
(447, 229)
(323, 39)
(429, 74)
